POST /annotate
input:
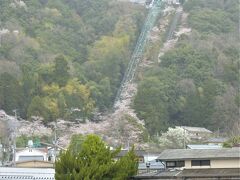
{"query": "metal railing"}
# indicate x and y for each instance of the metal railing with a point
(139, 49)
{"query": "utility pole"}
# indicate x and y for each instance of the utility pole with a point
(184, 140)
(55, 141)
(14, 138)
(128, 144)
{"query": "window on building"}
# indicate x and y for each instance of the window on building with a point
(172, 164)
(31, 158)
(205, 163)
(180, 163)
(196, 163)
(200, 162)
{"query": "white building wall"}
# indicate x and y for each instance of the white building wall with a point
(31, 152)
(226, 163)
(230, 163)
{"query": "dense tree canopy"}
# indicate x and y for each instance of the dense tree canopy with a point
(90, 158)
(64, 59)
(196, 83)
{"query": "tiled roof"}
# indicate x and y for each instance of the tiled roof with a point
(212, 172)
(195, 129)
(175, 154)
(217, 140)
(226, 173)
(159, 175)
(8, 173)
(203, 146)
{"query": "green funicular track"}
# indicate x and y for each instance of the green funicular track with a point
(139, 49)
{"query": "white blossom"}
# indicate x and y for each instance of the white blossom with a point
(174, 138)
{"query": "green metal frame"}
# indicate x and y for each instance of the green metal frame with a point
(139, 48)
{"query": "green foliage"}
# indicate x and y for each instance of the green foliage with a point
(235, 141)
(213, 16)
(76, 143)
(196, 82)
(101, 93)
(125, 167)
(60, 73)
(37, 108)
(11, 96)
(107, 64)
(211, 21)
(181, 91)
(22, 141)
(72, 55)
(94, 160)
(78, 96)
(151, 99)
(56, 99)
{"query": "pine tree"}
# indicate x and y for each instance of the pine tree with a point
(94, 160)
(61, 74)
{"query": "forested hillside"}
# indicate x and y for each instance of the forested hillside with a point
(196, 83)
(64, 58)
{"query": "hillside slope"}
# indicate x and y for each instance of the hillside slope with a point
(64, 59)
(197, 82)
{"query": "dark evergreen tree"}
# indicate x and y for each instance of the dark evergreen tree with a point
(94, 160)
(60, 73)
(10, 93)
